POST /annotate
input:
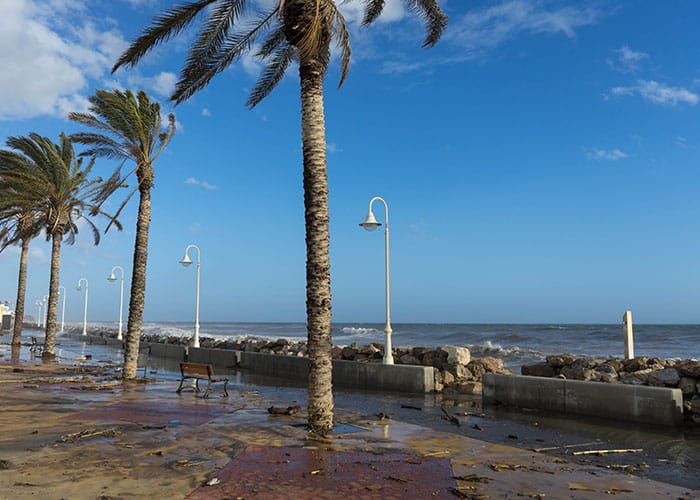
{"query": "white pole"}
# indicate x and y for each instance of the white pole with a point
(38, 313)
(86, 304)
(112, 277)
(63, 311)
(628, 335)
(45, 316)
(186, 261)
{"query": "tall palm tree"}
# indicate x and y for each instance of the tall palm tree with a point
(52, 179)
(19, 225)
(292, 30)
(132, 130)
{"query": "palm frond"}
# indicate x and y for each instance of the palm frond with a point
(373, 10)
(162, 29)
(434, 18)
(272, 75)
(340, 32)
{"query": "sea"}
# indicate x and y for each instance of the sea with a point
(516, 344)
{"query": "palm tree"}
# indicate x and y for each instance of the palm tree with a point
(292, 30)
(19, 226)
(53, 181)
(133, 131)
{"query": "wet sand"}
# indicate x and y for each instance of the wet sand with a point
(70, 430)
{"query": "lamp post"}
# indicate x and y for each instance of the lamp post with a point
(186, 261)
(63, 311)
(371, 224)
(45, 302)
(38, 313)
(113, 278)
(86, 303)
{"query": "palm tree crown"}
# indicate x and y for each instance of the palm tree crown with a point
(129, 128)
(290, 30)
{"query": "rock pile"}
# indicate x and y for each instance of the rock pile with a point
(455, 370)
(642, 370)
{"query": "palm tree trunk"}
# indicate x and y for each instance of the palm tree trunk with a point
(318, 276)
(21, 293)
(138, 282)
(52, 307)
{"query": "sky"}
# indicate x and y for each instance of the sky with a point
(540, 165)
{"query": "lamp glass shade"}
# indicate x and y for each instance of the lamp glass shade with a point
(186, 261)
(112, 277)
(370, 223)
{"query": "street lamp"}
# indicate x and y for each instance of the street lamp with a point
(38, 313)
(63, 311)
(186, 261)
(113, 278)
(45, 302)
(86, 302)
(371, 224)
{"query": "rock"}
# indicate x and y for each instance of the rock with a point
(349, 352)
(635, 364)
(538, 370)
(461, 372)
(469, 388)
(668, 377)
(427, 359)
(606, 377)
(631, 380)
(607, 368)
(687, 385)
(409, 359)
(578, 372)
(616, 364)
(447, 377)
(689, 368)
(459, 355)
(694, 405)
(559, 361)
(439, 380)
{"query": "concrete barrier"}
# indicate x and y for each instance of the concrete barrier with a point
(351, 374)
(652, 405)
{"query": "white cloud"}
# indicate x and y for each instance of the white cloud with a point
(194, 182)
(484, 29)
(354, 11)
(627, 60)
(49, 64)
(206, 112)
(682, 141)
(607, 155)
(658, 93)
(162, 84)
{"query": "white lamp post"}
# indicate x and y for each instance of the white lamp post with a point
(45, 315)
(63, 311)
(371, 224)
(113, 278)
(186, 261)
(38, 313)
(86, 303)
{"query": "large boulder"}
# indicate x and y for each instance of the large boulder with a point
(689, 368)
(668, 377)
(578, 372)
(539, 370)
(560, 360)
(459, 355)
(687, 385)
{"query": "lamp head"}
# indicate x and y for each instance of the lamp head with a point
(370, 223)
(112, 277)
(186, 261)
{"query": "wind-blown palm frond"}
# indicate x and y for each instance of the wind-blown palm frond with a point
(164, 27)
(435, 19)
(272, 75)
(200, 69)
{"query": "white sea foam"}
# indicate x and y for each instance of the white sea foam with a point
(356, 330)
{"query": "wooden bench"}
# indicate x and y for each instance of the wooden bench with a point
(36, 347)
(197, 372)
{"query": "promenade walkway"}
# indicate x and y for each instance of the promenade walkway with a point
(70, 430)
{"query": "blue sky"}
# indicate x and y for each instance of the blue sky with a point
(540, 165)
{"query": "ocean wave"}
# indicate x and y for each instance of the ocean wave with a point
(357, 330)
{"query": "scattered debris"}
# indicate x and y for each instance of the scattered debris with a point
(213, 482)
(88, 433)
(473, 478)
(468, 494)
(512, 436)
(550, 448)
(5, 464)
(616, 491)
(627, 468)
(450, 418)
(383, 416)
(398, 479)
(477, 427)
(606, 452)
(279, 410)
(578, 487)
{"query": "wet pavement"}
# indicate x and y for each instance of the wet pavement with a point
(71, 430)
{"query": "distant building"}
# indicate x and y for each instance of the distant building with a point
(7, 316)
